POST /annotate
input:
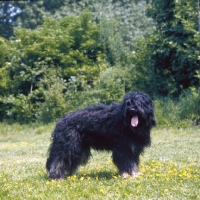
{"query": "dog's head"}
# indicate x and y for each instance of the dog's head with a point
(139, 110)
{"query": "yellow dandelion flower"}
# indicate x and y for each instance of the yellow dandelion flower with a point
(166, 190)
(47, 183)
(101, 190)
(73, 177)
(157, 175)
(24, 143)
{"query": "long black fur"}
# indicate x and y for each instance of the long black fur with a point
(102, 127)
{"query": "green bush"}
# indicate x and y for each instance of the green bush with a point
(189, 103)
(18, 108)
(182, 112)
(54, 102)
(166, 112)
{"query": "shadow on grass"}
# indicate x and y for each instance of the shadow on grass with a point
(102, 175)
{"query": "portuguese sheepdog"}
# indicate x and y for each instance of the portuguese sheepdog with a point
(123, 128)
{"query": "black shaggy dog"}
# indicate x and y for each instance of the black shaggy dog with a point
(123, 128)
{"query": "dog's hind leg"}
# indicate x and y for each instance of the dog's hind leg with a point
(85, 155)
(80, 158)
(60, 167)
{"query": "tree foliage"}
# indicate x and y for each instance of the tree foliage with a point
(27, 14)
(70, 44)
(67, 57)
(171, 53)
(67, 49)
(130, 16)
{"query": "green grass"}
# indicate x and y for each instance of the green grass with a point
(170, 169)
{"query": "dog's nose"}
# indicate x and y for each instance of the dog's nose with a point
(133, 111)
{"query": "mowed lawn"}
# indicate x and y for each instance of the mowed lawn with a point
(169, 169)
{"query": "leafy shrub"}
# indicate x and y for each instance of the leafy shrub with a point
(189, 103)
(54, 102)
(111, 85)
(166, 112)
(19, 108)
(182, 112)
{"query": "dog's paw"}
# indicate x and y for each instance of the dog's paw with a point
(135, 174)
(125, 175)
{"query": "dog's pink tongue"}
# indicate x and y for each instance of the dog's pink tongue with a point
(134, 121)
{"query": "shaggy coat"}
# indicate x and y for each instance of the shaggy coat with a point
(123, 128)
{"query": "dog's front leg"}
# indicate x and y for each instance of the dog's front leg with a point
(126, 161)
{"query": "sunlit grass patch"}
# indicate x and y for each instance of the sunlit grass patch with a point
(170, 169)
(17, 145)
(157, 178)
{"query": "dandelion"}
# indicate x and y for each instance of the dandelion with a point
(24, 143)
(4, 147)
(167, 179)
(166, 190)
(73, 177)
(157, 175)
(47, 183)
(101, 190)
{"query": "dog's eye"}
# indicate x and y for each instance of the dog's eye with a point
(128, 103)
